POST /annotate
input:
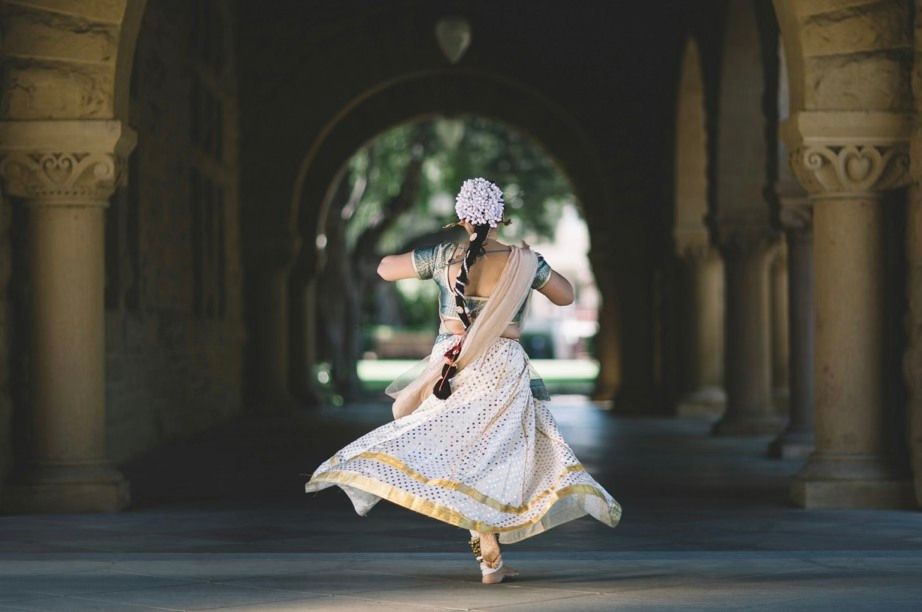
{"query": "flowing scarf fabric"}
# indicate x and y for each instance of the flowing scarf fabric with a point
(511, 290)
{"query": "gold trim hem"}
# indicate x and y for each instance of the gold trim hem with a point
(445, 514)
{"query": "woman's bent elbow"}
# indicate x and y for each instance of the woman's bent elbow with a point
(382, 270)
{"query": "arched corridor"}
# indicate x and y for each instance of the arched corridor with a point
(746, 171)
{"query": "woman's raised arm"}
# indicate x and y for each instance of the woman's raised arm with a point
(396, 267)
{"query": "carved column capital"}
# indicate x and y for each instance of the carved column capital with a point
(854, 169)
(64, 162)
(693, 246)
(848, 154)
(736, 242)
(745, 231)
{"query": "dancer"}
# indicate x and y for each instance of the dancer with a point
(473, 442)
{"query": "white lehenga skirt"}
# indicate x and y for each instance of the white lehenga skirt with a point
(490, 458)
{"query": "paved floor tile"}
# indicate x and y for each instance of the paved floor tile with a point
(221, 522)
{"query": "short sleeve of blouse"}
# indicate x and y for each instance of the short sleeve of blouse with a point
(427, 259)
(542, 274)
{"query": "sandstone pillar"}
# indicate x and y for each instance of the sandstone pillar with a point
(845, 161)
(912, 363)
(702, 350)
(912, 359)
(608, 340)
(302, 323)
(779, 327)
(274, 257)
(747, 252)
(797, 439)
(65, 172)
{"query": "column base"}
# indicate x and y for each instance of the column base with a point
(840, 480)
(748, 425)
(706, 403)
(873, 494)
(791, 445)
(66, 489)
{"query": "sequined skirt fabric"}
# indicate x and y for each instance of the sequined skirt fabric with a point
(489, 458)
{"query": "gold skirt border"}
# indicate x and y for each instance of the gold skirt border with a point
(468, 490)
(453, 517)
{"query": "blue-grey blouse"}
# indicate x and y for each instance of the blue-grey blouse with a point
(432, 262)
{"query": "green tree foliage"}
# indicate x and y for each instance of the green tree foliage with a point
(400, 189)
(533, 185)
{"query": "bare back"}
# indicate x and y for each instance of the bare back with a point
(485, 273)
(482, 279)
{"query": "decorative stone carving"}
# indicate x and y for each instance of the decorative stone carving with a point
(454, 37)
(62, 176)
(846, 153)
(833, 169)
(64, 161)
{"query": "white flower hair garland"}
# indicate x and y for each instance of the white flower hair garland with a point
(480, 202)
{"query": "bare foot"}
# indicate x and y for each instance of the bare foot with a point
(489, 549)
(493, 569)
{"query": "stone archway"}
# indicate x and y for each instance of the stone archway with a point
(418, 96)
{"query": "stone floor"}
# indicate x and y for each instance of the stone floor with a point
(221, 522)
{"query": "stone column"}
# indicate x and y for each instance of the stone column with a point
(702, 341)
(274, 256)
(747, 252)
(64, 172)
(797, 220)
(608, 340)
(845, 161)
(302, 324)
(912, 361)
(779, 308)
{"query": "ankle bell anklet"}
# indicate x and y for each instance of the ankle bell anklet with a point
(474, 543)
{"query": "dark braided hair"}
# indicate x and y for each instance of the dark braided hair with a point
(474, 250)
(442, 388)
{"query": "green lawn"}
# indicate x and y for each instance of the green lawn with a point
(560, 375)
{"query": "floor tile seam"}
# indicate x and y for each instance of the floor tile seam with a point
(501, 606)
(88, 595)
(402, 603)
(286, 573)
(77, 597)
(460, 580)
(168, 586)
(107, 601)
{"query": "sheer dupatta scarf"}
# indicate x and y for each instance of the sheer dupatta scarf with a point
(411, 389)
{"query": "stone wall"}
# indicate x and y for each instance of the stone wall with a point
(174, 324)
